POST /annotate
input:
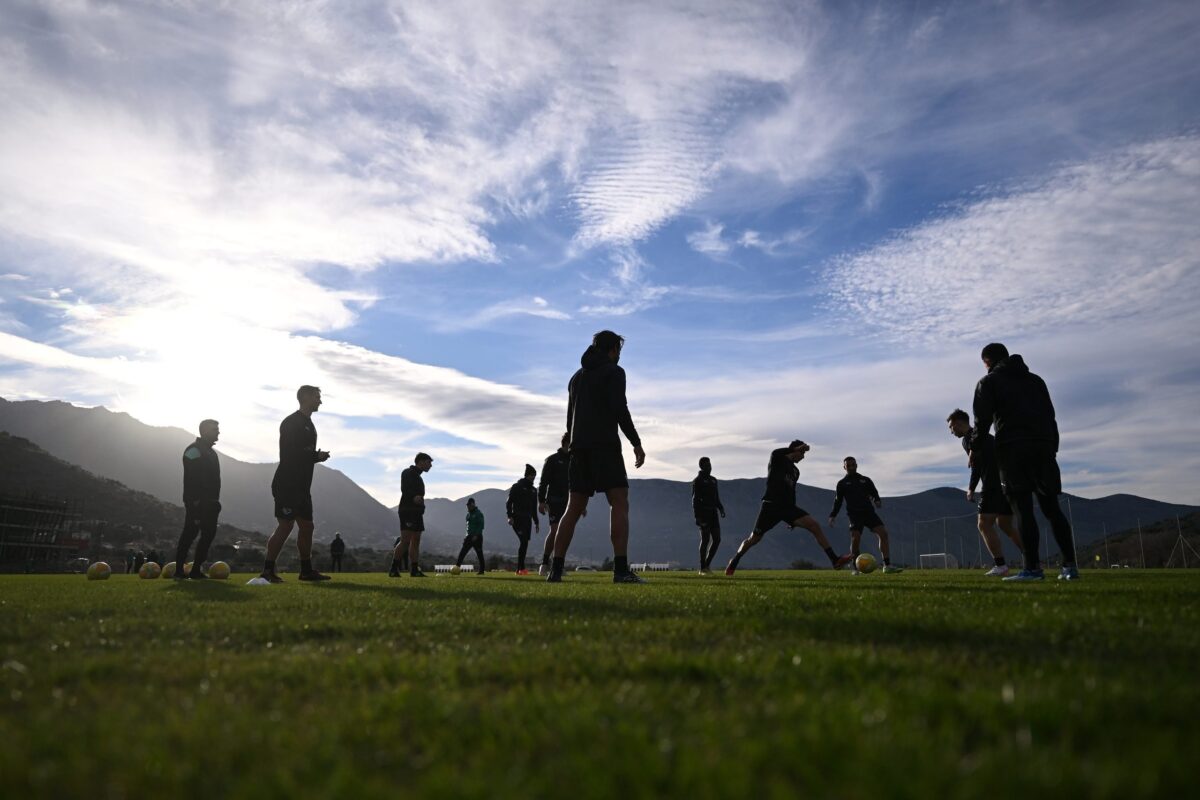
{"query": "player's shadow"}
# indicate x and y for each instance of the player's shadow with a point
(403, 592)
(209, 591)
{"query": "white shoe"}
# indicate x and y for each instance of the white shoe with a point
(998, 571)
(854, 571)
(541, 569)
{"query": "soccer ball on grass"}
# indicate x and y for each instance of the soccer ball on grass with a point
(865, 562)
(99, 571)
(219, 570)
(149, 571)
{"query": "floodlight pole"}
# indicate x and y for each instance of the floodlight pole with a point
(1182, 550)
(945, 547)
(1107, 559)
(1141, 544)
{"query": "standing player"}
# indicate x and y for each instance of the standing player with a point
(779, 505)
(706, 506)
(292, 486)
(1018, 403)
(474, 538)
(861, 498)
(552, 495)
(596, 408)
(993, 507)
(201, 498)
(412, 513)
(522, 510)
(337, 549)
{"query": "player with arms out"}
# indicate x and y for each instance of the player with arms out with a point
(993, 506)
(861, 499)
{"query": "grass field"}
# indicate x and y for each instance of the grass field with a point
(772, 684)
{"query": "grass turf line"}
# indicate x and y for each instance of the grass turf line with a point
(771, 684)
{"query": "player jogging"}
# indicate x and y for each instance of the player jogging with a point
(779, 505)
(1018, 403)
(596, 408)
(861, 499)
(522, 511)
(201, 499)
(412, 513)
(474, 538)
(292, 486)
(993, 506)
(708, 513)
(552, 495)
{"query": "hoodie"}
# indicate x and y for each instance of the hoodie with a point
(1018, 403)
(705, 496)
(596, 404)
(522, 500)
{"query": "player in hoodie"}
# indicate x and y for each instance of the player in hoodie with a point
(522, 513)
(552, 495)
(596, 409)
(1018, 403)
(708, 512)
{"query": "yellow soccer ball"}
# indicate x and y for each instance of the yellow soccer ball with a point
(455, 570)
(168, 570)
(149, 571)
(220, 570)
(99, 571)
(187, 568)
(865, 562)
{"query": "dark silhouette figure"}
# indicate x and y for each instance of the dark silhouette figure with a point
(553, 494)
(412, 513)
(337, 548)
(474, 538)
(201, 499)
(708, 512)
(522, 511)
(861, 497)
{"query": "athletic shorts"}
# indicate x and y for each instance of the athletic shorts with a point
(708, 519)
(556, 508)
(596, 469)
(771, 514)
(868, 519)
(412, 519)
(1029, 467)
(523, 527)
(993, 501)
(293, 505)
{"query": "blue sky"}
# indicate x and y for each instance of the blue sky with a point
(805, 218)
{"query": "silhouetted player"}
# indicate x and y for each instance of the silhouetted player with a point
(337, 548)
(412, 513)
(861, 498)
(522, 510)
(292, 486)
(201, 498)
(779, 505)
(474, 538)
(993, 506)
(596, 408)
(1018, 403)
(552, 495)
(708, 512)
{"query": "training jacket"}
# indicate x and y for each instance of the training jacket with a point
(522, 500)
(337, 547)
(983, 447)
(411, 485)
(596, 404)
(475, 522)
(858, 491)
(201, 473)
(297, 453)
(1018, 403)
(552, 485)
(705, 496)
(782, 475)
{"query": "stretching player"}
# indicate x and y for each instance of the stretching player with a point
(993, 507)
(779, 505)
(708, 512)
(201, 499)
(861, 498)
(596, 408)
(522, 514)
(1018, 403)
(474, 538)
(292, 486)
(552, 495)
(412, 513)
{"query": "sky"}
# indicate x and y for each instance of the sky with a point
(806, 219)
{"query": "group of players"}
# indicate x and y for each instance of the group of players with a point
(1009, 470)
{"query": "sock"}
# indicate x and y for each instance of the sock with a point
(833, 557)
(887, 562)
(545, 559)
(306, 565)
(268, 566)
(620, 565)
(558, 565)
(999, 561)
(737, 557)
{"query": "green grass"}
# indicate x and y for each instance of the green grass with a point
(773, 684)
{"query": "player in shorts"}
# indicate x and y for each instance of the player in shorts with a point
(553, 494)
(412, 513)
(993, 506)
(708, 513)
(292, 486)
(779, 505)
(861, 499)
(474, 538)
(521, 508)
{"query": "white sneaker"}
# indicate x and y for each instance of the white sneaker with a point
(541, 569)
(854, 571)
(998, 571)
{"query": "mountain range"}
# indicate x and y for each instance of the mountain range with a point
(147, 459)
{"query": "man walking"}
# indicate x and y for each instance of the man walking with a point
(412, 513)
(596, 409)
(993, 507)
(779, 505)
(337, 548)
(522, 510)
(552, 496)
(292, 486)
(201, 499)
(861, 499)
(474, 538)
(1018, 403)
(708, 513)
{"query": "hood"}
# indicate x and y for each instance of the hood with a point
(1014, 364)
(593, 358)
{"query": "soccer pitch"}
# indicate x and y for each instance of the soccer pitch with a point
(770, 684)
